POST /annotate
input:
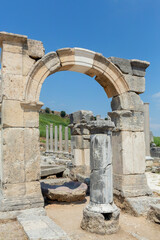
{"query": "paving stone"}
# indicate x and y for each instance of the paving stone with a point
(41, 227)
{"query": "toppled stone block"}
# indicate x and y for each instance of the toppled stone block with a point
(35, 49)
(154, 213)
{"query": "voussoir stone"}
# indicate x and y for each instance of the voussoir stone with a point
(123, 64)
(68, 192)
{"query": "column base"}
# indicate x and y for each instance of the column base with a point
(95, 221)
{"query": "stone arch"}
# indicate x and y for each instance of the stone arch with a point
(78, 60)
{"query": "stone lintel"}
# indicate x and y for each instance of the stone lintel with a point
(11, 37)
(32, 105)
(139, 63)
(100, 126)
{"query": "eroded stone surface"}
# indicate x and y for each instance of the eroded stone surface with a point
(154, 213)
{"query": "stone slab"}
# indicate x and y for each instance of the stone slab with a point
(35, 48)
(41, 227)
(51, 170)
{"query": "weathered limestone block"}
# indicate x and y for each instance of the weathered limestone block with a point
(31, 154)
(135, 83)
(31, 118)
(12, 63)
(33, 190)
(13, 155)
(78, 116)
(67, 58)
(13, 86)
(35, 49)
(128, 120)
(11, 190)
(127, 101)
(139, 67)
(28, 63)
(12, 113)
(12, 38)
(132, 185)
(0, 86)
(123, 64)
(128, 152)
(80, 142)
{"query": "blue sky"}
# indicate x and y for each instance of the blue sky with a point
(122, 28)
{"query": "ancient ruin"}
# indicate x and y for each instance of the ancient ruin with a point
(24, 68)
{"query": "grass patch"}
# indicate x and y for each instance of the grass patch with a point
(157, 141)
(47, 119)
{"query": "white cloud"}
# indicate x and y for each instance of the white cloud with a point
(156, 95)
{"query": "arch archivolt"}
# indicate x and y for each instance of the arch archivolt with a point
(78, 60)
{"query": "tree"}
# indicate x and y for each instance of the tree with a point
(63, 114)
(47, 110)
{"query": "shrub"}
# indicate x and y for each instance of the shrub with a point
(47, 110)
(63, 114)
(52, 112)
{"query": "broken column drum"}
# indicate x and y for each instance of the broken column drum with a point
(101, 215)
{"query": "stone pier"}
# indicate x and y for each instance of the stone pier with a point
(66, 139)
(60, 138)
(101, 216)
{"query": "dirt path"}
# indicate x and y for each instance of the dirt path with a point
(68, 217)
(11, 230)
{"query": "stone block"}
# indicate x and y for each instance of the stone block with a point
(135, 83)
(12, 47)
(13, 155)
(14, 190)
(51, 61)
(127, 120)
(12, 38)
(127, 101)
(31, 118)
(31, 154)
(123, 64)
(28, 63)
(41, 227)
(35, 48)
(128, 149)
(79, 142)
(12, 63)
(13, 86)
(139, 67)
(67, 57)
(33, 189)
(132, 185)
(81, 157)
(52, 170)
(78, 116)
(12, 114)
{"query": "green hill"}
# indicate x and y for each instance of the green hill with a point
(47, 119)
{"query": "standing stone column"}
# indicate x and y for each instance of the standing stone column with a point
(47, 139)
(51, 137)
(147, 129)
(66, 139)
(60, 138)
(101, 215)
(55, 139)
